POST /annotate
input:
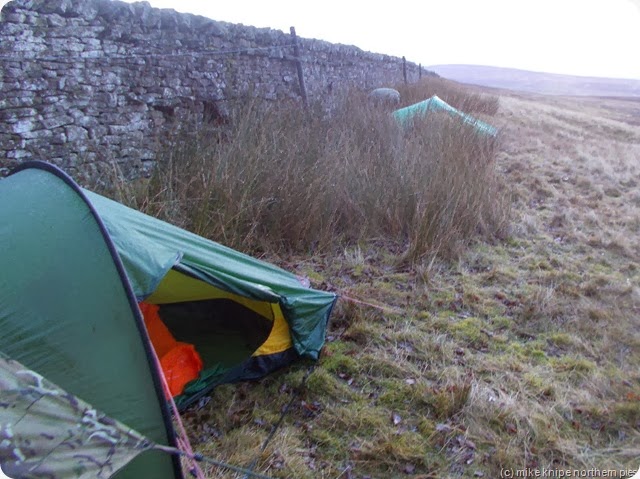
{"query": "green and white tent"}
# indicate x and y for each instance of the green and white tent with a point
(74, 267)
(48, 432)
(405, 116)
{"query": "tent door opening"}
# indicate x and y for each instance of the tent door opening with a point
(224, 333)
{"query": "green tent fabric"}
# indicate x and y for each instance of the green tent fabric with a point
(75, 264)
(48, 432)
(405, 116)
(68, 313)
(149, 248)
(159, 257)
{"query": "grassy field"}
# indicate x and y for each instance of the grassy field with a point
(513, 343)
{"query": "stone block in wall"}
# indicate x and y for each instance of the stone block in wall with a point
(13, 17)
(12, 29)
(36, 135)
(9, 142)
(56, 121)
(58, 7)
(33, 84)
(19, 155)
(12, 115)
(58, 137)
(85, 121)
(105, 100)
(13, 72)
(76, 133)
(56, 21)
(98, 132)
(23, 126)
(120, 130)
(130, 152)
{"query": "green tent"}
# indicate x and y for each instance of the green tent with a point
(405, 116)
(75, 265)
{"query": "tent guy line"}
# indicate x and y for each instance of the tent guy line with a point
(201, 458)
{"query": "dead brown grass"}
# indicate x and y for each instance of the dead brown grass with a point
(279, 179)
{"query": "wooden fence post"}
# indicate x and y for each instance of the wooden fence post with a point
(296, 53)
(404, 69)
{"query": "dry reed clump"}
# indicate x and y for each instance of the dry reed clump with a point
(277, 178)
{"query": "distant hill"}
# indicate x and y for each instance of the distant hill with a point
(537, 82)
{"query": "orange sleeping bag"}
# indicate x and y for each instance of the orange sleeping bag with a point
(180, 362)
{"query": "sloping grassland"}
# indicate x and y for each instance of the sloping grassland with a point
(520, 350)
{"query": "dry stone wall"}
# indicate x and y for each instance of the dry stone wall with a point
(87, 82)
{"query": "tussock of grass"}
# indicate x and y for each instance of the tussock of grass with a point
(279, 179)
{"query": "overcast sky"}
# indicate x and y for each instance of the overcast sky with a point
(580, 37)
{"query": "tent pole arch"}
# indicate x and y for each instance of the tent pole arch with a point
(49, 217)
